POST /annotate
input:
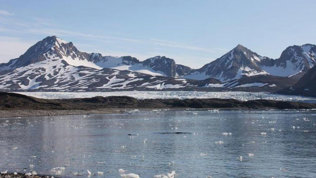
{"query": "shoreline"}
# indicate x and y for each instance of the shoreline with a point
(9, 114)
(17, 105)
(25, 175)
(44, 113)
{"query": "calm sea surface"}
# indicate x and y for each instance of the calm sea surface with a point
(193, 143)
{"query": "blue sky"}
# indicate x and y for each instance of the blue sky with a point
(193, 32)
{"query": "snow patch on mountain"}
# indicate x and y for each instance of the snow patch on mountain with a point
(289, 70)
(256, 84)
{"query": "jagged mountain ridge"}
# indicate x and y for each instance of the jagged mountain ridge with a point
(55, 62)
(53, 47)
(55, 65)
(241, 61)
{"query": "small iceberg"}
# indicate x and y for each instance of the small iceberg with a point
(240, 158)
(127, 175)
(251, 154)
(172, 174)
(219, 142)
(58, 170)
(227, 134)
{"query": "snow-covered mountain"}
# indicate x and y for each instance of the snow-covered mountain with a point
(54, 64)
(156, 66)
(233, 65)
(241, 62)
(54, 48)
(56, 75)
(293, 60)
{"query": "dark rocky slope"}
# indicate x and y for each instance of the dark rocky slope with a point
(305, 86)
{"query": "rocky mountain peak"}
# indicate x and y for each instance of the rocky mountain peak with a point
(240, 47)
(297, 57)
(162, 63)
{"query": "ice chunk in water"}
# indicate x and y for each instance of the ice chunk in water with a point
(240, 158)
(57, 170)
(251, 154)
(226, 133)
(89, 172)
(31, 166)
(34, 173)
(172, 174)
(121, 171)
(28, 174)
(219, 142)
(4, 172)
(306, 119)
(263, 133)
(129, 175)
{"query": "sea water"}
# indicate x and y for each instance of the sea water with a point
(192, 143)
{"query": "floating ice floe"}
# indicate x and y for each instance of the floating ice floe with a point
(76, 174)
(31, 166)
(172, 174)
(306, 119)
(219, 142)
(226, 133)
(89, 172)
(129, 175)
(263, 133)
(203, 154)
(251, 154)
(4, 172)
(57, 170)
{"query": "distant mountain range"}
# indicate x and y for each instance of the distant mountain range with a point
(56, 65)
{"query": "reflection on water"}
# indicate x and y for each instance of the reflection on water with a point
(191, 143)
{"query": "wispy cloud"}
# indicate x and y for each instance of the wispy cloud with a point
(62, 32)
(5, 13)
(154, 42)
(47, 27)
(120, 45)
